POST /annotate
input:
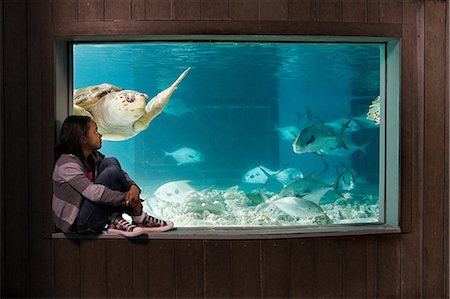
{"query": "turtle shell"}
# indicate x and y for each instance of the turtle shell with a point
(90, 95)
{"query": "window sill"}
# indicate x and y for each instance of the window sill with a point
(248, 233)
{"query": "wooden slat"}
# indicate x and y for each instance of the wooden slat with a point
(118, 10)
(138, 10)
(189, 269)
(141, 275)
(412, 64)
(16, 215)
(217, 269)
(274, 10)
(372, 262)
(64, 10)
(434, 146)
(158, 10)
(214, 10)
(329, 11)
(391, 11)
(302, 268)
(119, 269)
(186, 9)
(41, 250)
(2, 208)
(388, 267)
(354, 11)
(373, 11)
(328, 259)
(275, 269)
(354, 267)
(244, 9)
(302, 10)
(161, 269)
(67, 268)
(93, 274)
(90, 10)
(245, 269)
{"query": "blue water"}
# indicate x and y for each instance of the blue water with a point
(235, 95)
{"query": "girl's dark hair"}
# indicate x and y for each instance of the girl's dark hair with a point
(73, 129)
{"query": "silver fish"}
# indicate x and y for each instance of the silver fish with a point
(304, 186)
(298, 207)
(173, 191)
(186, 155)
(288, 133)
(257, 175)
(335, 149)
(288, 175)
(335, 125)
(314, 137)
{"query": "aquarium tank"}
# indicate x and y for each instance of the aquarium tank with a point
(242, 133)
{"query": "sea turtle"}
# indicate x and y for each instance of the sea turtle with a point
(120, 114)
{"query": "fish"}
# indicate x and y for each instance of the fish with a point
(335, 125)
(288, 175)
(258, 175)
(185, 155)
(346, 181)
(333, 148)
(298, 207)
(177, 109)
(304, 186)
(314, 137)
(288, 133)
(174, 191)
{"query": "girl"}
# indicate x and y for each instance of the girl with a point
(91, 191)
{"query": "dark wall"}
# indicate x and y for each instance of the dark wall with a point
(411, 264)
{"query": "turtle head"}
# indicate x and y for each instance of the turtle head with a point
(126, 106)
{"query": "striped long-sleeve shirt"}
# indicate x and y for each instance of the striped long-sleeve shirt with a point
(70, 186)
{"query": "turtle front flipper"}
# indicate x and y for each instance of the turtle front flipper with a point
(157, 104)
(77, 110)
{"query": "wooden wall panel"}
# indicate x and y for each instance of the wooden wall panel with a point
(245, 269)
(118, 10)
(214, 10)
(93, 264)
(244, 10)
(391, 11)
(64, 10)
(2, 196)
(217, 269)
(388, 267)
(141, 275)
(15, 184)
(354, 267)
(158, 9)
(303, 262)
(67, 274)
(275, 269)
(161, 269)
(91, 10)
(373, 11)
(434, 145)
(328, 268)
(354, 11)
(119, 269)
(329, 10)
(274, 10)
(302, 10)
(138, 10)
(186, 9)
(189, 269)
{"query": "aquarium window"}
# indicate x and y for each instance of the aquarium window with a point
(249, 132)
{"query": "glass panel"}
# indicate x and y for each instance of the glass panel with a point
(256, 134)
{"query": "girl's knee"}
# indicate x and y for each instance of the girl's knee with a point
(110, 161)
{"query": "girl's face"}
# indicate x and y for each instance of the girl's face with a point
(93, 139)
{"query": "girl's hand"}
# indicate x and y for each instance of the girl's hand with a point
(132, 195)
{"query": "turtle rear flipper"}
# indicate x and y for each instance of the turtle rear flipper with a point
(77, 110)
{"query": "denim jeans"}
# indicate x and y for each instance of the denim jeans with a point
(93, 217)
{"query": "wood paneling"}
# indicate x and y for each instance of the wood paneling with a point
(15, 184)
(276, 10)
(118, 10)
(217, 269)
(245, 269)
(413, 264)
(91, 10)
(302, 10)
(214, 10)
(434, 144)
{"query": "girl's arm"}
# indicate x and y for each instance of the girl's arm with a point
(73, 174)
